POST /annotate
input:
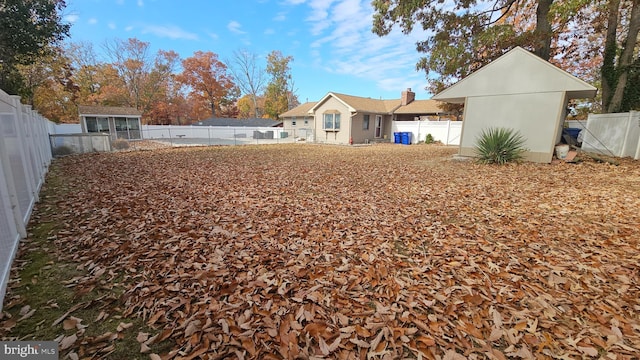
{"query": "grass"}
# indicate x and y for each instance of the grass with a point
(44, 281)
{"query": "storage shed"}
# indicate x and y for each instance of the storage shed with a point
(118, 122)
(520, 91)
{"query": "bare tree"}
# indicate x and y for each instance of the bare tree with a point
(143, 75)
(249, 76)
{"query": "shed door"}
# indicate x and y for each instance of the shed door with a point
(378, 126)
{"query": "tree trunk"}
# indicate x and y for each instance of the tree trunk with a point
(255, 106)
(622, 70)
(213, 109)
(608, 68)
(543, 30)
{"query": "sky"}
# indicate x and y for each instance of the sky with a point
(331, 42)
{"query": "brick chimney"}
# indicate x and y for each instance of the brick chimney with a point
(407, 97)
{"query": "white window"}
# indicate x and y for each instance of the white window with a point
(97, 124)
(331, 121)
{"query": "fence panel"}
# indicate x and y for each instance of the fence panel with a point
(447, 132)
(64, 144)
(25, 156)
(613, 134)
(188, 135)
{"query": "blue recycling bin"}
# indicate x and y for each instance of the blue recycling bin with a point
(573, 132)
(406, 138)
(396, 138)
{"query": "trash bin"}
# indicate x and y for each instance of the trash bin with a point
(396, 138)
(406, 138)
(573, 132)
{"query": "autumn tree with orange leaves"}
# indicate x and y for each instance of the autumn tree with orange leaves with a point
(208, 80)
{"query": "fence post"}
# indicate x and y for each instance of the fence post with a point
(448, 130)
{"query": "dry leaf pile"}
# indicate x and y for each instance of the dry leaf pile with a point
(382, 252)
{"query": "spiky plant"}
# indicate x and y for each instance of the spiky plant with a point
(500, 146)
(429, 139)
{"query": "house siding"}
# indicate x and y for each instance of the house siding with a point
(359, 135)
(333, 137)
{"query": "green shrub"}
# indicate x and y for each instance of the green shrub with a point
(120, 144)
(500, 146)
(429, 139)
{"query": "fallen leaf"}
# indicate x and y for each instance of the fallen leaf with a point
(68, 341)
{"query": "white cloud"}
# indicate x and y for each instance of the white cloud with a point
(169, 31)
(280, 17)
(140, 3)
(269, 32)
(128, 28)
(112, 25)
(72, 18)
(235, 27)
(119, 2)
(294, 2)
(320, 15)
(92, 21)
(214, 36)
(344, 44)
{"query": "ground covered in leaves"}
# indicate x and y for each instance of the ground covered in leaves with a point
(304, 251)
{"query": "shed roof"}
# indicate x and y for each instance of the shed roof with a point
(517, 72)
(253, 122)
(108, 110)
(300, 110)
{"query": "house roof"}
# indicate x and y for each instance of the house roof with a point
(357, 103)
(300, 110)
(517, 72)
(421, 107)
(253, 122)
(108, 110)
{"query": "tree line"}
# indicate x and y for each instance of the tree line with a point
(166, 89)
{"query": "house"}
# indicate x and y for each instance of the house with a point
(299, 121)
(118, 122)
(520, 91)
(252, 122)
(347, 119)
(298, 117)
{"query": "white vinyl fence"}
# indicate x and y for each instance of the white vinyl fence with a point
(613, 134)
(448, 132)
(185, 135)
(25, 156)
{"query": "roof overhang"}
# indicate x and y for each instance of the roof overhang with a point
(325, 98)
(582, 94)
(454, 100)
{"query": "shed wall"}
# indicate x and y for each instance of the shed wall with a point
(535, 116)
